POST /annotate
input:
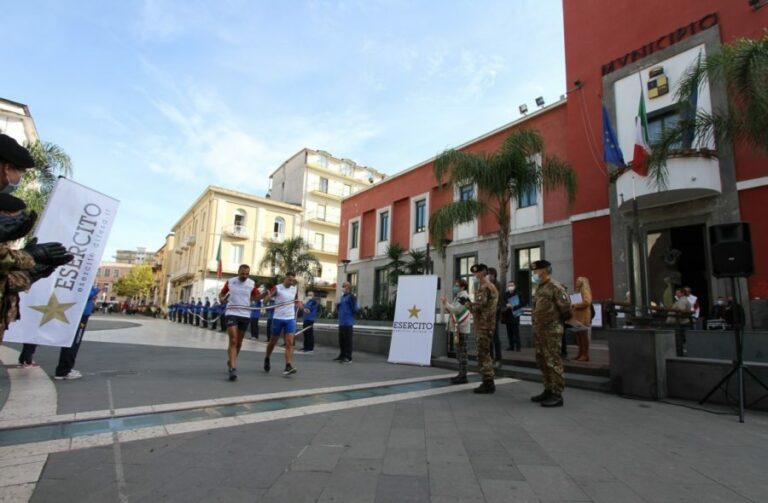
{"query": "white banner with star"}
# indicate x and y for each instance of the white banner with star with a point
(81, 219)
(414, 320)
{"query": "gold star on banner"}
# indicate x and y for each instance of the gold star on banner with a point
(54, 310)
(414, 313)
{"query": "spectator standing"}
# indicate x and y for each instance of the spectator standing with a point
(582, 312)
(347, 309)
(510, 316)
(65, 369)
(680, 317)
(484, 309)
(255, 316)
(308, 325)
(496, 345)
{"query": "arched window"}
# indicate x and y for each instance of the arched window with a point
(239, 217)
(279, 228)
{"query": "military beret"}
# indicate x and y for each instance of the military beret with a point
(478, 268)
(540, 264)
(11, 151)
(10, 203)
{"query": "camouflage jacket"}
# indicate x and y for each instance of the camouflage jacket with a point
(551, 306)
(12, 281)
(483, 308)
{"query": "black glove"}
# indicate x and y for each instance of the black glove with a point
(17, 226)
(39, 272)
(53, 254)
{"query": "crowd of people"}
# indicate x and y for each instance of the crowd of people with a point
(240, 305)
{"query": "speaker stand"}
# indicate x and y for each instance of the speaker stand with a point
(738, 365)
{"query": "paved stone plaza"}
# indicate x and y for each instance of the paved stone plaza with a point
(365, 432)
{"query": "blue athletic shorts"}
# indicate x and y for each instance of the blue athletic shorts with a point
(279, 325)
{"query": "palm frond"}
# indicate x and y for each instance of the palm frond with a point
(558, 174)
(458, 167)
(457, 212)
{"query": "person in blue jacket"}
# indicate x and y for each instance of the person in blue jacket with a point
(347, 309)
(255, 315)
(206, 312)
(222, 310)
(214, 314)
(198, 311)
(65, 368)
(270, 314)
(310, 313)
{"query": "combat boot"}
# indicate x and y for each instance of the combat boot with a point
(553, 400)
(459, 379)
(487, 386)
(541, 396)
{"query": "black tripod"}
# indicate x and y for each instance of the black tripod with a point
(738, 365)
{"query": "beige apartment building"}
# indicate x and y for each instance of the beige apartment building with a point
(242, 224)
(318, 181)
(17, 122)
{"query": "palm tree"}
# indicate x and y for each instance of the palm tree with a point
(417, 263)
(291, 255)
(396, 266)
(36, 184)
(742, 68)
(500, 176)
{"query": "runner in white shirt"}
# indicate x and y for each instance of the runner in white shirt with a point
(284, 320)
(240, 290)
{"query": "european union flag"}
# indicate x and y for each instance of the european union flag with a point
(611, 151)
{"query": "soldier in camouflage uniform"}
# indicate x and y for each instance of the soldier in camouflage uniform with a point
(483, 310)
(551, 306)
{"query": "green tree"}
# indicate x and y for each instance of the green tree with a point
(741, 67)
(500, 177)
(291, 255)
(136, 283)
(36, 184)
(417, 262)
(396, 266)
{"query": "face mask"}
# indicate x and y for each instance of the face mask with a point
(510, 289)
(455, 289)
(310, 297)
(720, 302)
(475, 282)
(535, 278)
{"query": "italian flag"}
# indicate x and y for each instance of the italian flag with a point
(642, 150)
(218, 262)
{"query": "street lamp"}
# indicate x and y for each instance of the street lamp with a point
(345, 263)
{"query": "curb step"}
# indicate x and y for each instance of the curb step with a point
(572, 380)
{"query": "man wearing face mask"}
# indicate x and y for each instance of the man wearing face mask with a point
(513, 308)
(483, 310)
(551, 307)
(347, 309)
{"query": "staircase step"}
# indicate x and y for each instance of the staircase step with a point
(573, 380)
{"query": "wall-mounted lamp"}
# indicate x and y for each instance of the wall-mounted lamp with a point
(523, 109)
(540, 101)
(345, 263)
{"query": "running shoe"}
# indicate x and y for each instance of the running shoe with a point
(346, 361)
(289, 369)
(233, 374)
(69, 377)
(338, 358)
(267, 366)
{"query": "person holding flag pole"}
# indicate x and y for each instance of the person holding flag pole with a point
(459, 321)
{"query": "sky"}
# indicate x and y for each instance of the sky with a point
(154, 100)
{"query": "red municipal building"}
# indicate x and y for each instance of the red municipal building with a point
(613, 52)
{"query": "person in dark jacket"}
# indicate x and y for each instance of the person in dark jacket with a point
(310, 313)
(510, 316)
(347, 309)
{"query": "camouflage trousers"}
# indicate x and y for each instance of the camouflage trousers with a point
(484, 360)
(549, 361)
(460, 341)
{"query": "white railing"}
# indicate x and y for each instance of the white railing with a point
(238, 231)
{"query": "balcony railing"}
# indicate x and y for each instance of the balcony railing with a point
(316, 188)
(689, 178)
(324, 248)
(324, 218)
(236, 231)
(276, 237)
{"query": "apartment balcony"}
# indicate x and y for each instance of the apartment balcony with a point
(275, 237)
(325, 249)
(690, 177)
(326, 192)
(236, 231)
(322, 284)
(330, 220)
(190, 241)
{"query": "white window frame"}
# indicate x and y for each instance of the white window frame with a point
(419, 239)
(381, 246)
(470, 226)
(354, 253)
